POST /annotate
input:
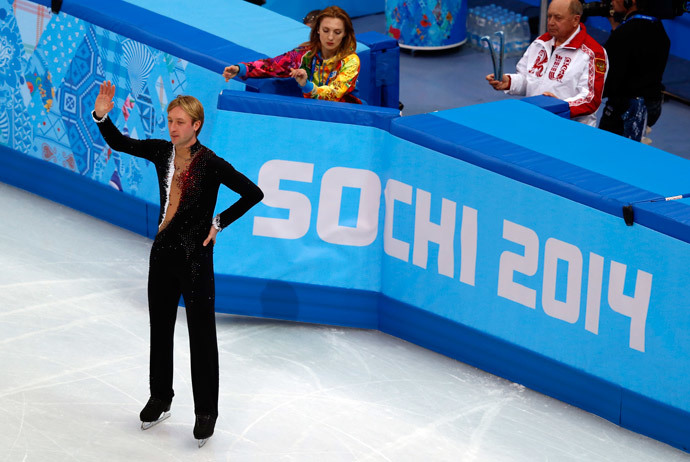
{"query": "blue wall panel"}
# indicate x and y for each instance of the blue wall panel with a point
(297, 9)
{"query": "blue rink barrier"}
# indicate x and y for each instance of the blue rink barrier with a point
(221, 33)
(325, 111)
(297, 9)
(553, 105)
(83, 194)
(160, 31)
(501, 245)
(385, 69)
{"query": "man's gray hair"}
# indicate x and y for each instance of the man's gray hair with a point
(576, 7)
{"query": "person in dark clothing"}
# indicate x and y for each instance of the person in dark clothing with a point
(181, 260)
(638, 49)
(310, 18)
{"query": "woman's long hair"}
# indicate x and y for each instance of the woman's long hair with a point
(349, 43)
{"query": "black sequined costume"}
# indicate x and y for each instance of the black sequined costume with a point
(180, 264)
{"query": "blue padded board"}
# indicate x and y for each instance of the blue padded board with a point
(678, 30)
(265, 32)
(84, 194)
(160, 31)
(302, 108)
(243, 23)
(554, 105)
(297, 9)
(524, 142)
(385, 69)
(586, 147)
(223, 32)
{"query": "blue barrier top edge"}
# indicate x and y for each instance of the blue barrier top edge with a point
(159, 32)
(302, 108)
(377, 41)
(163, 33)
(544, 172)
(554, 105)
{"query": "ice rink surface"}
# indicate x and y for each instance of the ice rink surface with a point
(74, 374)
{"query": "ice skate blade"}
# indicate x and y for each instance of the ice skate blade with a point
(202, 442)
(147, 425)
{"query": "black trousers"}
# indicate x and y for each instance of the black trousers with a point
(613, 117)
(173, 273)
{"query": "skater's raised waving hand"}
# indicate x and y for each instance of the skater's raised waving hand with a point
(104, 101)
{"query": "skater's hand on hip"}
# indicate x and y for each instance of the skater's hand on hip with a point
(213, 232)
(104, 101)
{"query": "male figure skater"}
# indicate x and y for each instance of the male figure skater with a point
(181, 261)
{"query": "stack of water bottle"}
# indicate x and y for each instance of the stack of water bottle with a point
(489, 19)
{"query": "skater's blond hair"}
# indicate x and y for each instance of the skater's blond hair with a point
(191, 106)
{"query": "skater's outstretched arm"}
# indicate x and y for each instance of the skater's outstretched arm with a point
(116, 140)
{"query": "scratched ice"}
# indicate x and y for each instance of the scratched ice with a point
(73, 374)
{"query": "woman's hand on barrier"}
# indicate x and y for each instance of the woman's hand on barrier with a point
(548, 93)
(300, 75)
(104, 101)
(231, 71)
(503, 84)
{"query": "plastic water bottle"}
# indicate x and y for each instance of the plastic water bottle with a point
(518, 40)
(508, 35)
(489, 19)
(469, 25)
(515, 40)
(490, 29)
(524, 34)
(495, 41)
(481, 29)
(472, 27)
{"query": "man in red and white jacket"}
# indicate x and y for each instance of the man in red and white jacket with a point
(565, 63)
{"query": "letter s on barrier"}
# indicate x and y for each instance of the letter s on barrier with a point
(298, 205)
